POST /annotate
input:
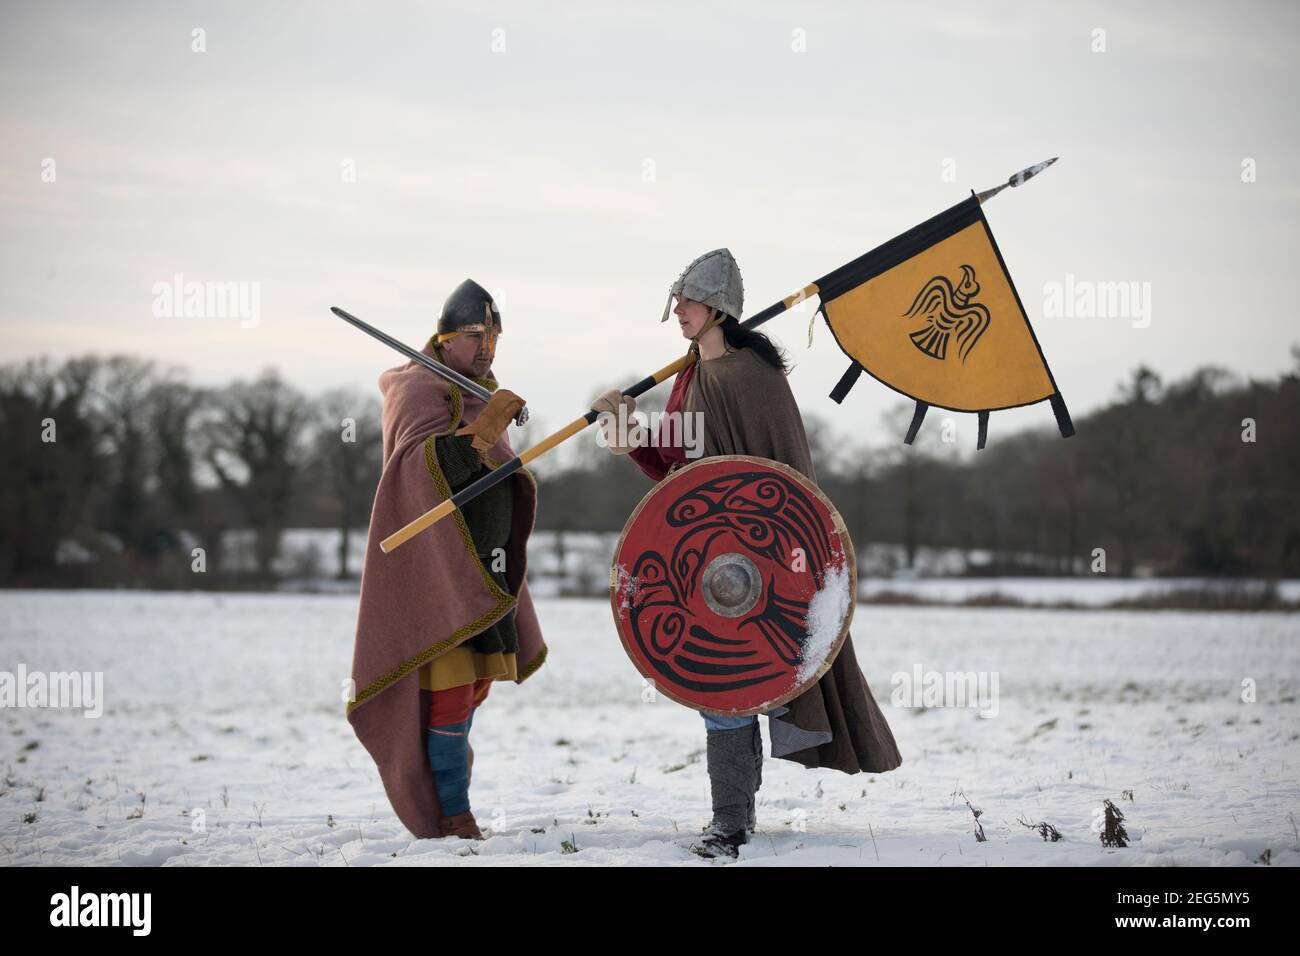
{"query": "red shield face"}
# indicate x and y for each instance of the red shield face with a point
(733, 585)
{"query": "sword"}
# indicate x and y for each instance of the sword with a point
(437, 368)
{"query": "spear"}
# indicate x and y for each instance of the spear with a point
(437, 368)
(497, 475)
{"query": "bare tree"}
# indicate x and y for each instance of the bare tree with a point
(50, 464)
(348, 455)
(256, 444)
(122, 393)
(173, 407)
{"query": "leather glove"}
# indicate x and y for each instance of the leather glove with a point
(608, 405)
(495, 418)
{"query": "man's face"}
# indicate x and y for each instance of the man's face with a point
(471, 353)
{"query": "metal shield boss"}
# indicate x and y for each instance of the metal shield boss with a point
(733, 585)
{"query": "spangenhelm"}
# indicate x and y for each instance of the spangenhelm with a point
(468, 309)
(713, 279)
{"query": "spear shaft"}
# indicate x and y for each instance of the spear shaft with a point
(472, 490)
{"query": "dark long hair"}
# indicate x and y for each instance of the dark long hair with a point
(738, 337)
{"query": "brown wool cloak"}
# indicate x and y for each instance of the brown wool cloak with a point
(432, 593)
(749, 410)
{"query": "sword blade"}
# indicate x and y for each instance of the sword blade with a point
(450, 374)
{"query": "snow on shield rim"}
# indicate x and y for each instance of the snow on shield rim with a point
(733, 585)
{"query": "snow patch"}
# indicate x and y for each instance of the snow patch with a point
(826, 613)
(624, 586)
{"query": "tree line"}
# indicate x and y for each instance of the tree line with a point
(127, 464)
(118, 471)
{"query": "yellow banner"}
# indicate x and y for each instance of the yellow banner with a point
(944, 327)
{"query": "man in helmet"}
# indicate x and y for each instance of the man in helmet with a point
(448, 613)
(738, 386)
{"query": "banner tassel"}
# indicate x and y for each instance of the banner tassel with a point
(1062, 414)
(918, 416)
(846, 382)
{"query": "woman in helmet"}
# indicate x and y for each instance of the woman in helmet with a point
(738, 386)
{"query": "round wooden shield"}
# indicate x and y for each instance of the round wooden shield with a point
(733, 585)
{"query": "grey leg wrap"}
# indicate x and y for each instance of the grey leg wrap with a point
(731, 778)
(757, 745)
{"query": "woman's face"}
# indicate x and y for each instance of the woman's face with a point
(691, 316)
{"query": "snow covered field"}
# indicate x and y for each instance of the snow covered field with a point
(230, 705)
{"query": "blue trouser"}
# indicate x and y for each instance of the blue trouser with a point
(727, 723)
(449, 758)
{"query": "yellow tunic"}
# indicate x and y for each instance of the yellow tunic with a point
(460, 665)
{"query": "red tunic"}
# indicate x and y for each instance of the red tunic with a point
(658, 458)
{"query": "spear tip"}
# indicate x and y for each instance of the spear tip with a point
(1031, 172)
(1016, 179)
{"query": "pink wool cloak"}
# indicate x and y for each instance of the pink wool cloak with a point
(432, 593)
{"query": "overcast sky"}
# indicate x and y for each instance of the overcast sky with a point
(573, 157)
